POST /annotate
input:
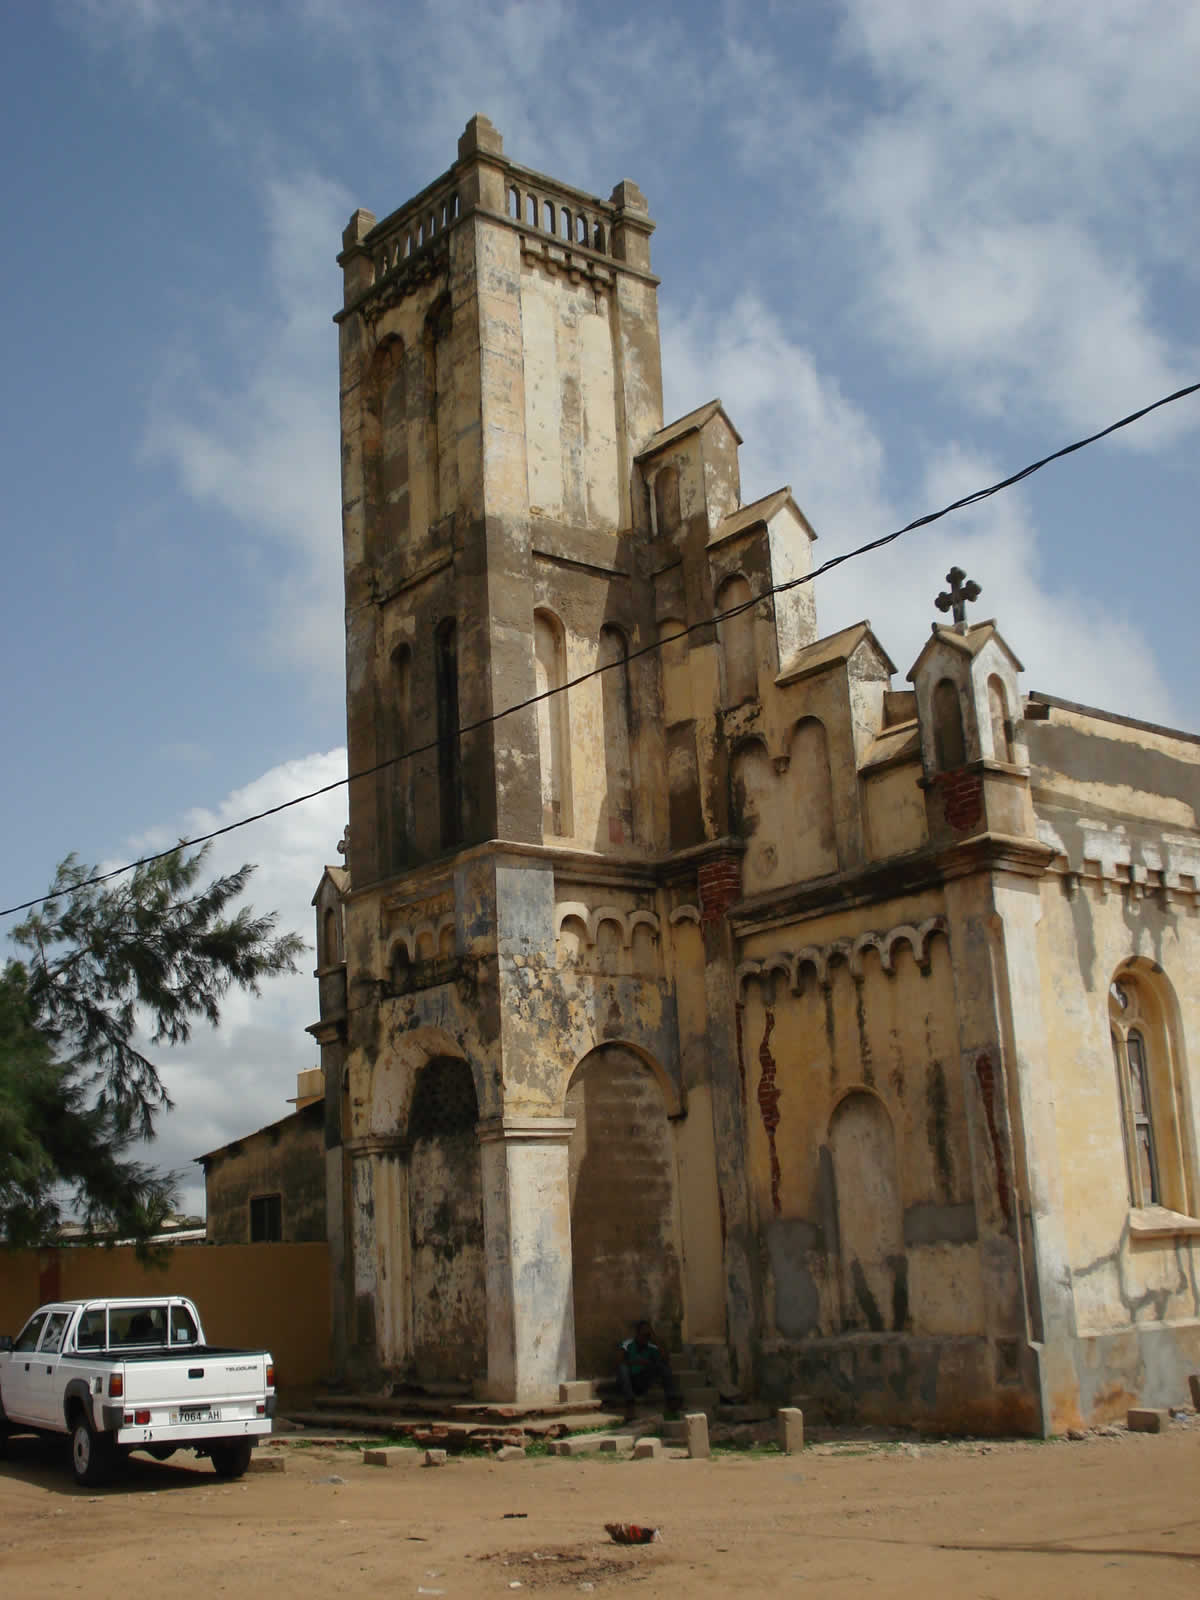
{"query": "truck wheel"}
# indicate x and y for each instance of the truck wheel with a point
(93, 1455)
(231, 1460)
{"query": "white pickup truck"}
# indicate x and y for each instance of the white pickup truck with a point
(122, 1375)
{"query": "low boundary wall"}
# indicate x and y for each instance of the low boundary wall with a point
(274, 1296)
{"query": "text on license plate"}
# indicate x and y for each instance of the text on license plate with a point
(198, 1414)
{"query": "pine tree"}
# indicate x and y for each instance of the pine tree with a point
(148, 954)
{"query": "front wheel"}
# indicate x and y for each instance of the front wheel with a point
(231, 1460)
(93, 1455)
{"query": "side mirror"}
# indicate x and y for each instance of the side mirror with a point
(5, 1342)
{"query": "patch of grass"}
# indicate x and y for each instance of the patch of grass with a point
(769, 1447)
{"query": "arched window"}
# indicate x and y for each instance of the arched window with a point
(737, 642)
(614, 689)
(446, 668)
(1150, 1092)
(554, 728)
(950, 746)
(1001, 727)
(1133, 1089)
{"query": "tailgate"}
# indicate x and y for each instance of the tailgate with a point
(201, 1379)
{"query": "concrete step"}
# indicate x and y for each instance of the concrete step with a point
(706, 1400)
(674, 1432)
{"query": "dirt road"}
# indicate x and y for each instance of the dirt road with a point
(1096, 1518)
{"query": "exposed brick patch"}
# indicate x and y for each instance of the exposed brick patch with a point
(720, 885)
(986, 1073)
(962, 799)
(768, 1104)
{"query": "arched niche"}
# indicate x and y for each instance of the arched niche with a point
(624, 1205)
(667, 514)
(448, 751)
(392, 387)
(440, 452)
(756, 814)
(813, 849)
(949, 740)
(870, 1219)
(445, 1211)
(613, 660)
(395, 780)
(738, 657)
(554, 724)
(998, 717)
(331, 937)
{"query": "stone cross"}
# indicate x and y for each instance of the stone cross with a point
(960, 593)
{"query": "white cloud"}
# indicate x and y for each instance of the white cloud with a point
(263, 446)
(801, 428)
(229, 1081)
(1015, 195)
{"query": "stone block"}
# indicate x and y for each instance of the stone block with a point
(582, 1444)
(791, 1430)
(697, 1435)
(576, 1393)
(271, 1463)
(435, 1458)
(393, 1455)
(1145, 1419)
(511, 1452)
(1194, 1386)
(648, 1450)
(614, 1442)
(675, 1432)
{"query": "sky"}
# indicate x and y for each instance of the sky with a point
(911, 244)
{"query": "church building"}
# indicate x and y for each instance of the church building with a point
(839, 1027)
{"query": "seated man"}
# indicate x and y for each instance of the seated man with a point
(642, 1364)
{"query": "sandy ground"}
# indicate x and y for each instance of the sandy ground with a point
(1104, 1516)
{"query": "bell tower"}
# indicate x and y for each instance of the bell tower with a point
(500, 372)
(500, 375)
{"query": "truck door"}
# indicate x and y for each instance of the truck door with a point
(45, 1405)
(16, 1375)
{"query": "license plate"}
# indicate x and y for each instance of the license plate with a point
(199, 1414)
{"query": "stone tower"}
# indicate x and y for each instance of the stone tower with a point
(500, 374)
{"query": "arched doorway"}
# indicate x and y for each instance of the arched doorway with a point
(445, 1217)
(624, 1209)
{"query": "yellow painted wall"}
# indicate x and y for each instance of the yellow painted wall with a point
(269, 1296)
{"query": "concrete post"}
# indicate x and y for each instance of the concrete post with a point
(527, 1247)
(697, 1435)
(791, 1430)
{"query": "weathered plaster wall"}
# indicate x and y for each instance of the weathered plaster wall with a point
(1116, 802)
(287, 1159)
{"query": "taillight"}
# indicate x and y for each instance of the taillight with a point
(142, 1419)
(271, 1376)
(116, 1385)
(260, 1409)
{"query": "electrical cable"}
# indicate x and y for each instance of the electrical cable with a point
(657, 644)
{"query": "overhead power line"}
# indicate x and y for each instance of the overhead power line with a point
(657, 644)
